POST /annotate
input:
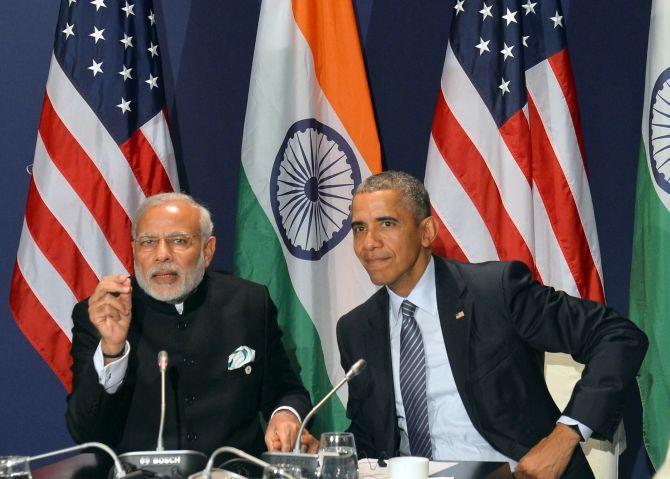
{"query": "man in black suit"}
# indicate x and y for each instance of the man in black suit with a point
(227, 361)
(455, 351)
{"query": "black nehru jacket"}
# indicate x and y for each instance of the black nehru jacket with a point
(208, 405)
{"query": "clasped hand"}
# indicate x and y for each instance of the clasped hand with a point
(550, 457)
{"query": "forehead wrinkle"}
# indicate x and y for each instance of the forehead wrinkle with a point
(171, 233)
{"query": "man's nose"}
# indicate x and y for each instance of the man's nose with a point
(163, 251)
(371, 239)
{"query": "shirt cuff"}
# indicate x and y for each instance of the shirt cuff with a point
(585, 431)
(111, 376)
(287, 408)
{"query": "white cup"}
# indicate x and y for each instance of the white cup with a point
(408, 467)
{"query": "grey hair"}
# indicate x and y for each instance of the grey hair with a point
(206, 225)
(412, 192)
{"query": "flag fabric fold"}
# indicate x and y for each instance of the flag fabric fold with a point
(650, 270)
(506, 169)
(309, 140)
(102, 147)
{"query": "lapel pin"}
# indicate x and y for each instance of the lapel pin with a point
(247, 369)
(460, 315)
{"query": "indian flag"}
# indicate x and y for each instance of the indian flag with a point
(650, 272)
(309, 140)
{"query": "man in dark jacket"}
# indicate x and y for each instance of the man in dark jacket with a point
(227, 362)
(455, 351)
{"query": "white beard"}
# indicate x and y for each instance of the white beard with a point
(187, 281)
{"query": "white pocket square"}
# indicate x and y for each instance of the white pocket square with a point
(241, 356)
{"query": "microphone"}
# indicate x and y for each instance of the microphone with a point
(162, 366)
(162, 361)
(172, 464)
(354, 371)
(119, 471)
(309, 463)
(207, 472)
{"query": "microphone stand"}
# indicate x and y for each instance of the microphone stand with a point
(296, 447)
(206, 473)
(309, 463)
(162, 462)
(162, 365)
(354, 371)
(119, 471)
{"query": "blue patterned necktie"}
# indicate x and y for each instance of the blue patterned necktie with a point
(413, 383)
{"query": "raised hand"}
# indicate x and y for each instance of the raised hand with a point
(109, 309)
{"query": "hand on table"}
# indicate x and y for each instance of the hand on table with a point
(282, 431)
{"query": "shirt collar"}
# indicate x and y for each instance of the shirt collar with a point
(422, 296)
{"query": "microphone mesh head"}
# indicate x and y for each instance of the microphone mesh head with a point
(356, 368)
(162, 359)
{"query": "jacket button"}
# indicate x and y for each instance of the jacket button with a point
(191, 436)
(181, 325)
(190, 400)
(188, 361)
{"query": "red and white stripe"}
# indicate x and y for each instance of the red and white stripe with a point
(83, 192)
(519, 191)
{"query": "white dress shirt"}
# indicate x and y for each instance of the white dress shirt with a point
(452, 434)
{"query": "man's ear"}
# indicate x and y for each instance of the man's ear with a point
(428, 229)
(208, 250)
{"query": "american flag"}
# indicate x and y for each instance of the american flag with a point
(506, 169)
(103, 146)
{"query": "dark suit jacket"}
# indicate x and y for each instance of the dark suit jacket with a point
(208, 405)
(496, 355)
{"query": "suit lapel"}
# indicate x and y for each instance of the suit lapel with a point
(455, 318)
(378, 343)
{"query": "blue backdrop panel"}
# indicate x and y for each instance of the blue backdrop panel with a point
(31, 397)
(207, 50)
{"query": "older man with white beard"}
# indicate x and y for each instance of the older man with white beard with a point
(227, 361)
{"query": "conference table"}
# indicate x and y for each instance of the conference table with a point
(87, 466)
